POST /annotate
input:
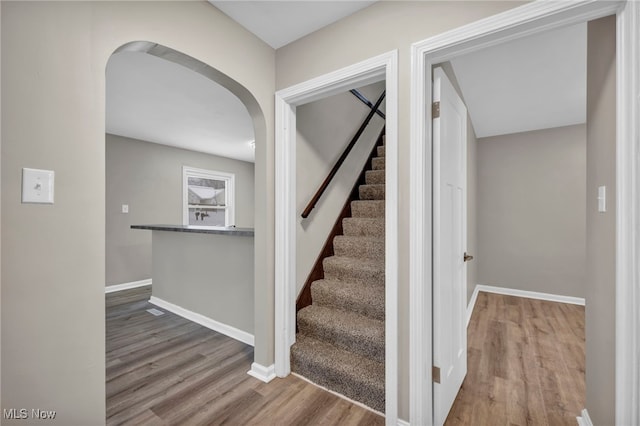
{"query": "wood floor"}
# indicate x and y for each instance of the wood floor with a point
(526, 361)
(525, 367)
(166, 370)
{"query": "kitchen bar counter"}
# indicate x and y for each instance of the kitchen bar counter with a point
(240, 232)
(205, 275)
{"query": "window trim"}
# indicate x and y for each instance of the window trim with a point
(229, 178)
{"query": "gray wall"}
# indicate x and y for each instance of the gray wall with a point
(356, 38)
(324, 128)
(472, 209)
(531, 210)
(209, 274)
(148, 177)
(601, 227)
(54, 56)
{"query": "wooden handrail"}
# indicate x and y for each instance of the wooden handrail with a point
(367, 102)
(317, 272)
(343, 157)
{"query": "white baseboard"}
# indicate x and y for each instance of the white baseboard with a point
(127, 286)
(472, 304)
(212, 324)
(260, 372)
(585, 420)
(531, 294)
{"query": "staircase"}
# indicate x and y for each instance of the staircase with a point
(340, 343)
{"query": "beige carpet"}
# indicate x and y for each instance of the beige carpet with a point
(340, 343)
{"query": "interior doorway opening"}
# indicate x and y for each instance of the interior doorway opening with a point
(383, 67)
(526, 209)
(527, 20)
(180, 148)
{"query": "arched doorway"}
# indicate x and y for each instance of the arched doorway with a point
(256, 121)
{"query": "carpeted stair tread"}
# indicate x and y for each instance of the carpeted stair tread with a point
(371, 192)
(349, 374)
(374, 176)
(357, 297)
(360, 247)
(353, 269)
(346, 330)
(363, 226)
(377, 163)
(340, 342)
(367, 208)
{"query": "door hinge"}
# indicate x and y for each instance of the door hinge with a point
(435, 110)
(435, 374)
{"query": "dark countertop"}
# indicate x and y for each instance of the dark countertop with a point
(240, 232)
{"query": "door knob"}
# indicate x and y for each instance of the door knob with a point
(467, 257)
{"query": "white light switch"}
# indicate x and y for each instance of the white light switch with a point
(602, 199)
(37, 186)
(125, 208)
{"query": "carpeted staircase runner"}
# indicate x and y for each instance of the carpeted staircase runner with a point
(340, 342)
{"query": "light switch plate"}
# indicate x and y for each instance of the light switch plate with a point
(37, 186)
(125, 208)
(602, 199)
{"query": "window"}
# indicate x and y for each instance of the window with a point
(207, 197)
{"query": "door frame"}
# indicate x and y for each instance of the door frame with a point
(525, 20)
(382, 67)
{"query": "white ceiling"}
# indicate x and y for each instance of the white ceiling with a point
(155, 100)
(278, 23)
(533, 83)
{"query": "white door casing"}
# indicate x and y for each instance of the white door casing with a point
(381, 67)
(521, 21)
(449, 244)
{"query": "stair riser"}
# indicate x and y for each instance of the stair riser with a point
(372, 208)
(371, 396)
(366, 227)
(371, 192)
(377, 163)
(359, 276)
(381, 151)
(372, 177)
(323, 296)
(355, 247)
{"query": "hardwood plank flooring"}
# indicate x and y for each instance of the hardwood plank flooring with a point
(526, 362)
(166, 370)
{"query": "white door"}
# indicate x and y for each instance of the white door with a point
(449, 233)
